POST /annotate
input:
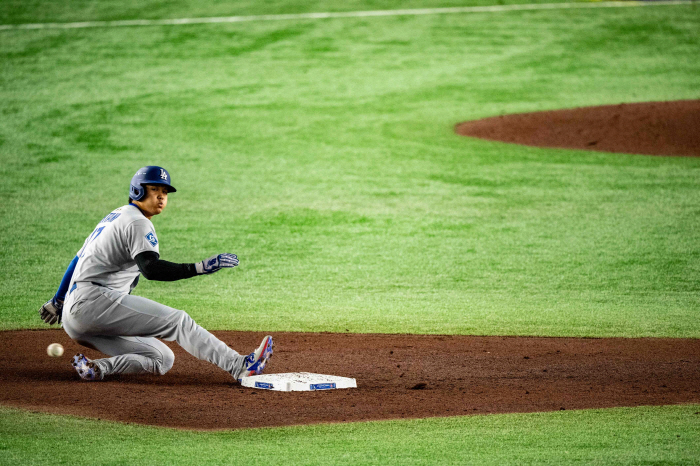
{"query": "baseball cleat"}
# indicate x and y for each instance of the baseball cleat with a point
(87, 370)
(254, 363)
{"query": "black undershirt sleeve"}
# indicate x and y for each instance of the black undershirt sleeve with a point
(153, 268)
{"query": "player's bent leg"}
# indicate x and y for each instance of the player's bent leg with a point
(130, 355)
(125, 315)
(133, 355)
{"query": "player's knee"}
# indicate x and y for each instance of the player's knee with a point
(185, 321)
(166, 363)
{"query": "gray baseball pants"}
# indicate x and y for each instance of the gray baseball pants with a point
(128, 327)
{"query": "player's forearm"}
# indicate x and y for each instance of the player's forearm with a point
(153, 268)
(65, 282)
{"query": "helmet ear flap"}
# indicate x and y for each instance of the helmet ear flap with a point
(136, 192)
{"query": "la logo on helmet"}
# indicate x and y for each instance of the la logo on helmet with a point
(163, 174)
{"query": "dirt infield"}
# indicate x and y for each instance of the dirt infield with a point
(651, 128)
(398, 376)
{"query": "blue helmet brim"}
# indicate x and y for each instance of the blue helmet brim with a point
(171, 188)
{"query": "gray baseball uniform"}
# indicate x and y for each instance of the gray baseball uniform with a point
(100, 313)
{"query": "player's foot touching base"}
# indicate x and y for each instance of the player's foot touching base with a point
(255, 362)
(86, 369)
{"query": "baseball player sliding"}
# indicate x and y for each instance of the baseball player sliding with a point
(99, 311)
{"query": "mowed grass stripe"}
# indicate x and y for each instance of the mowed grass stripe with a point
(347, 14)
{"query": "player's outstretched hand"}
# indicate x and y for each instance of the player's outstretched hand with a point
(51, 311)
(216, 263)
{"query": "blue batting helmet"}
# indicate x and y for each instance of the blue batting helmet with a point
(149, 175)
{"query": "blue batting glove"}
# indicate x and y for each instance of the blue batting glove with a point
(216, 263)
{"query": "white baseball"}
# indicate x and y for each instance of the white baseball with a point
(55, 350)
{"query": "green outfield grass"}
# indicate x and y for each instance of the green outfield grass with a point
(654, 435)
(323, 154)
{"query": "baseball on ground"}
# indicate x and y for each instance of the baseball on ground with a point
(55, 350)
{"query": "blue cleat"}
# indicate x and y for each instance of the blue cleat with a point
(87, 370)
(254, 363)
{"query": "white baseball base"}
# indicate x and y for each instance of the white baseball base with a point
(298, 382)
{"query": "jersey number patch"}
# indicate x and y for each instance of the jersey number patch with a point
(92, 237)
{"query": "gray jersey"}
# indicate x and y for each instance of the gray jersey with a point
(107, 257)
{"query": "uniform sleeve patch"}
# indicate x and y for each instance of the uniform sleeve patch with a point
(152, 239)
